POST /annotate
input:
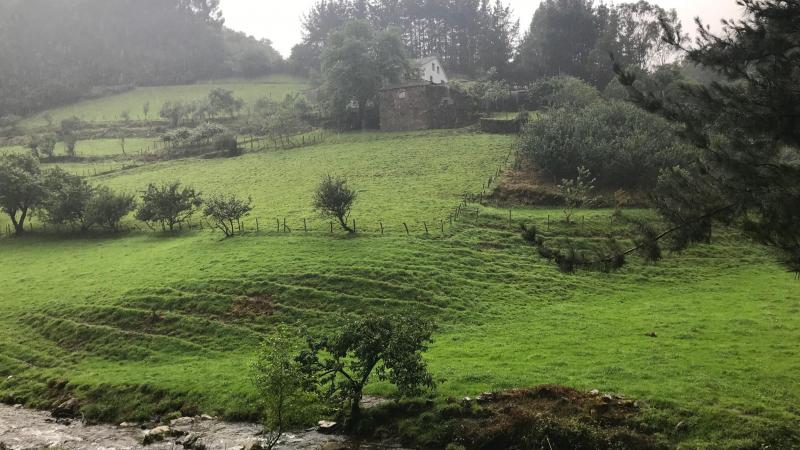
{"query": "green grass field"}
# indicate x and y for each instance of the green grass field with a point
(108, 109)
(147, 322)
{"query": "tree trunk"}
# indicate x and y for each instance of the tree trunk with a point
(345, 225)
(19, 226)
(355, 413)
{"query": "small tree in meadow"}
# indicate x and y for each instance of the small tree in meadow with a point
(107, 208)
(334, 199)
(281, 383)
(21, 188)
(577, 192)
(42, 146)
(226, 212)
(387, 347)
(168, 205)
(67, 198)
(70, 142)
(146, 109)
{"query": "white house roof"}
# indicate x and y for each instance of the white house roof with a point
(419, 62)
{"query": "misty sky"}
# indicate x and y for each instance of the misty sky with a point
(279, 20)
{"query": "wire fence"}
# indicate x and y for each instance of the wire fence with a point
(467, 210)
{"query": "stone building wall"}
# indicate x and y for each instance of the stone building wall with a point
(424, 107)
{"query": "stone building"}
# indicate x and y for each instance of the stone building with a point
(422, 106)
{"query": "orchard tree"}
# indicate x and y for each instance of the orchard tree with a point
(334, 199)
(227, 212)
(222, 101)
(22, 188)
(748, 130)
(168, 205)
(388, 348)
(107, 209)
(67, 198)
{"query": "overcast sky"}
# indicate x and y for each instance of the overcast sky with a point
(279, 20)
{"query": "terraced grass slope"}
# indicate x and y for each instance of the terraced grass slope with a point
(145, 323)
(108, 109)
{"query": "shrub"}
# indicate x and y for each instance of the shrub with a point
(561, 92)
(577, 192)
(227, 144)
(107, 209)
(283, 386)
(623, 146)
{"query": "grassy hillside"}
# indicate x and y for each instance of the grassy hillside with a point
(108, 109)
(147, 323)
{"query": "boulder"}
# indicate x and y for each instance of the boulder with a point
(181, 422)
(159, 434)
(67, 409)
(326, 426)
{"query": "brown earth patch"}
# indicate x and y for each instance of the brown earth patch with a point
(256, 305)
(555, 417)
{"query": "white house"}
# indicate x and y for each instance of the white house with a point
(429, 69)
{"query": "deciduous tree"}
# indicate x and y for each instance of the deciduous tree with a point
(387, 347)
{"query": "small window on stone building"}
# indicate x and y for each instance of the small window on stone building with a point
(431, 78)
(433, 66)
(437, 68)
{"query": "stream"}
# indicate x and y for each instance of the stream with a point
(24, 429)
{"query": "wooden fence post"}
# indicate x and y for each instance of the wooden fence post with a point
(407, 232)
(331, 227)
(426, 228)
(305, 226)
(257, 224)
(278, 226)
(381, 228)
(354, 225)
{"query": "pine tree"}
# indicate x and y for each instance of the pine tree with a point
(748, 129)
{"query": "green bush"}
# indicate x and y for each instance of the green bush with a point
(227, 144)
(561, 92)
(622, 145)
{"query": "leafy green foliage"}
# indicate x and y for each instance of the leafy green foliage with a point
(577, 192)
(561, 92)
(168, 205)
(281, 384)
(107, 209)
(226, 212)
(67, 198)
(356, 62)
(623, 146)
(334, 199)
(21, 188)
(743, 126)
(389, 346)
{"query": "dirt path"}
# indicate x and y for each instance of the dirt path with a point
(23, 429)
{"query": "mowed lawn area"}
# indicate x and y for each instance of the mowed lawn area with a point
(110, 108)
(144, 322)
